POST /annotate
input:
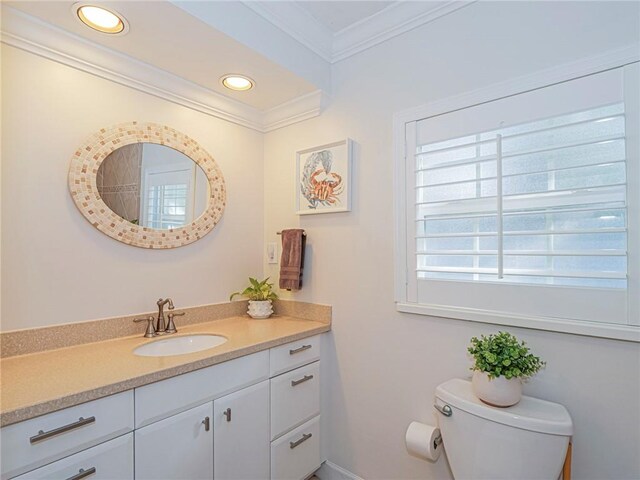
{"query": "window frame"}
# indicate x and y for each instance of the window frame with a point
(403, 120)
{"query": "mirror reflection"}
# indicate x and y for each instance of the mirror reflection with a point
(153, 186)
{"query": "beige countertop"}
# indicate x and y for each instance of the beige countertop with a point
(40, 383)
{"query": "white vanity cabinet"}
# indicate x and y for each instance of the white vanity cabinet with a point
(264, 410)
(251, 418)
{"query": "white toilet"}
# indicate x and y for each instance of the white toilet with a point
(526, 441)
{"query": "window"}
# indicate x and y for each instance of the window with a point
(523, 210)
(542, 202)
(167, 206)
(168, 194)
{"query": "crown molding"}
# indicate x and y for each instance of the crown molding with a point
(389, 22)
(40, 38)
(396, 19)
(294, 111)
(297, 23)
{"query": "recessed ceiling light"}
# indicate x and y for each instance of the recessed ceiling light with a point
(100, 18)
(237, 82)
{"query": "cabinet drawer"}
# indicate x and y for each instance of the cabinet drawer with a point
(295, 354)
(107, 461)
(65, 432)
(295, 398)
(168, 397)
(296, 455)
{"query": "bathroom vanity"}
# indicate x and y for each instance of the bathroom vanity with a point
(253, 416)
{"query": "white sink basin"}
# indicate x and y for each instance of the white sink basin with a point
(179, 345)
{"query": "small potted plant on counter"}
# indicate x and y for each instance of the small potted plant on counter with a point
(260, 295)
(501, 363)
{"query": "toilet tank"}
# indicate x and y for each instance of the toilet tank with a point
(526, 441)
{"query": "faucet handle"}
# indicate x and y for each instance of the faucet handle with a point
(150, 332)
(171, 327)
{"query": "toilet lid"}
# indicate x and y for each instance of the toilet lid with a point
(529, 414)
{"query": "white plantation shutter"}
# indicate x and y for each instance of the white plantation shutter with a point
(520, 205)
(544, 202)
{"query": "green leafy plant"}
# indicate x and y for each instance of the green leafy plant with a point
(257, 290)
(502, 354)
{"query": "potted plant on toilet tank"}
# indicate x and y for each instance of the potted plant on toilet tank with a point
(260, 295)
(501, 363)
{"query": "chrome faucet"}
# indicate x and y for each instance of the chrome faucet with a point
(161, 329)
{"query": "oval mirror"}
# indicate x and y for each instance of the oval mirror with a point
(147, 185)
(153, 186)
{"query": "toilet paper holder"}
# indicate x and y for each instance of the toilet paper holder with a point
(445, 410)
(424, 441)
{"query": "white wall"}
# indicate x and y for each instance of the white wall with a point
(386, 365)
(56, 267)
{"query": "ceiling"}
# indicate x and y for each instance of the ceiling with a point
(167, 37)
(287, 46)
(338, 15)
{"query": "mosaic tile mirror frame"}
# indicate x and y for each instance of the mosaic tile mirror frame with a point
(86, 178)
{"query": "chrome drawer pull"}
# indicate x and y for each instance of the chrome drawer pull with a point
(42, 435)
(305, 437)
(306, 378)
(83, 473)
(298, 350)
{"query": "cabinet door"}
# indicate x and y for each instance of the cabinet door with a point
(179, 447)
(241, 430)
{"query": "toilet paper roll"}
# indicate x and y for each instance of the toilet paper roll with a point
(423, 441)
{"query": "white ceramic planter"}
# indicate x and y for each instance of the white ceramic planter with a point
(260, 308)
(498, 391)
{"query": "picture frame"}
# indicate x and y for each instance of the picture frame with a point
(323, 178)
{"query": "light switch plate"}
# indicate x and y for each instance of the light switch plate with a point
(272, 252)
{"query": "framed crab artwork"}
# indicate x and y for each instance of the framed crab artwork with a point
(323, 178)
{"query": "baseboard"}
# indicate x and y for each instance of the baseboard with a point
(331, 471)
